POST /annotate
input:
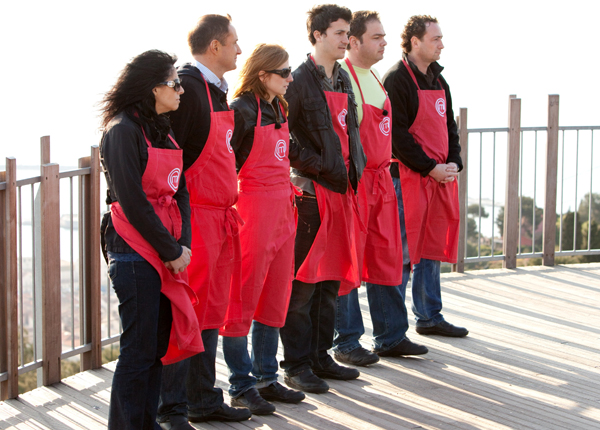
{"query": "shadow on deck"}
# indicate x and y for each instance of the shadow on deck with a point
(531, 361)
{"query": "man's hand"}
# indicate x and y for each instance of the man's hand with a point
(443, 173)
(179, 265)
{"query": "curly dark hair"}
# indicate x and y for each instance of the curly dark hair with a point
(209, 28)
(358, 26)
(416, 26)
(320, 18)
(133, 93)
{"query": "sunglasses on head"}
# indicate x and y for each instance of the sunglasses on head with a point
(284, 73)
(175, 84)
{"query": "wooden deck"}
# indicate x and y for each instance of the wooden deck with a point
(531, 361)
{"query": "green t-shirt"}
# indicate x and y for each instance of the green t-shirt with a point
(372, 91)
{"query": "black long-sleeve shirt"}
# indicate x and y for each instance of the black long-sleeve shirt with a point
(191, 122)
(124, 156)
(405, 105)
(246, 113)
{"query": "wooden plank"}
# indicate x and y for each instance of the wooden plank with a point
(551, 179)
(11, 280)
(44, 150)
(511, 204)
(3, 291)
(93, 250)
(51, 294)
(89, 249)
(462, 190)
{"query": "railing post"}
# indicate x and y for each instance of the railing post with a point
(51, 288)
(511, 203)
(463, 134)
(3, 291)
(551, 179)
(44, 150)
(10, 387)
(89, 257)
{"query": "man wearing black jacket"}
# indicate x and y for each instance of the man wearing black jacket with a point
(327, 161)
(425, 140)
(188, 387)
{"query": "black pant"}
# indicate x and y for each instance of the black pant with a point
(310, 322)
(189, 385)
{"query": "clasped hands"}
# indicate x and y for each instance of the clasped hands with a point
(179, 265)
(444, 173)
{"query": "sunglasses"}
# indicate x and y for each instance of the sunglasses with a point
(284, 73)
(175, 84)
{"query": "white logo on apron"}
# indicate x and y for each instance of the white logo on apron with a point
(173, 178)
(342, 117)
(228, 140)
(280, 148)
(384, 126)
(440, 106)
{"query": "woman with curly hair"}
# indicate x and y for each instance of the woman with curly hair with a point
(146, 234)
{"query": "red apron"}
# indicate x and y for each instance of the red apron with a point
(431, 209)
(266, 203)
(214, 270)
(380, 249)
(160, 182)
(332, 256)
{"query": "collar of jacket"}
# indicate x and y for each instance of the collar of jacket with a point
(435, 68)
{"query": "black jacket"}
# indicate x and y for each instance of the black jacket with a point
(405, 104)
(246, 113)
(315, 150)
(124, 156)
(191, 122)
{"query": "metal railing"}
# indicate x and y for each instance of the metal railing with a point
(50, 307)
(506, 168)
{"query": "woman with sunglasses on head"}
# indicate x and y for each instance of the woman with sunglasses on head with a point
(266, 204)
(146, 235)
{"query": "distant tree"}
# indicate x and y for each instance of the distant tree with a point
(526, 216)
(569, 231)
(584, 205)
(594, 240)
(474, 210)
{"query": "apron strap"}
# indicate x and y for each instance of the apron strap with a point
(258, 117)
(412, 75)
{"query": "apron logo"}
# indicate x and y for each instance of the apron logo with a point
(280, 148)
(342, 117)
(440, 106)
(228, 140)
(173, 178)
(384, 126)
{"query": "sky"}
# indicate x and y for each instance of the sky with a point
(60, 57)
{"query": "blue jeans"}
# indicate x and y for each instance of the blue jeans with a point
(146, 319)
(262, 364)
(386, 304)
(189, 385)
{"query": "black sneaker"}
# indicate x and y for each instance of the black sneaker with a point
(444, 329)
(278, 393)
(406, 347)
(252, 400)
(176, 422)
(306, 381)
(357, 357)
(335, 371)
(224, 413)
